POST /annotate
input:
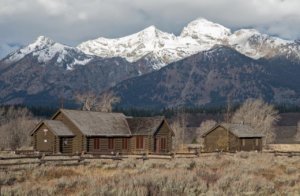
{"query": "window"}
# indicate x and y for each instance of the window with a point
(65, 141)
(96, 143)
(163, 143)
(125, 143)
(256, 142)
(139, 142)
(110, 143)
(243, 142)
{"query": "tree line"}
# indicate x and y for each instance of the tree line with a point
(17, 121)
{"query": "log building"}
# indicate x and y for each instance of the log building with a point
(231, 138)
(73, 131)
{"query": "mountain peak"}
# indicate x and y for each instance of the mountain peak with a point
(202, 28)
(151, 28)
(150, 32)
(43, 40)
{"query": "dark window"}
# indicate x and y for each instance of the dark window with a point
(125, 143)
(110, 143)
(139, 142)
(163, 143)
(96, 143)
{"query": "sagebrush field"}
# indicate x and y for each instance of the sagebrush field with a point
(229, 174)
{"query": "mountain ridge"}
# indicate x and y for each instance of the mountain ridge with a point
(45, 70)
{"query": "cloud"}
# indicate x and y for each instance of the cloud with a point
(74, 21)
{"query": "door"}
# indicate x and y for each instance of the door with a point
(65, 145)
(96, 144)
(157, 145)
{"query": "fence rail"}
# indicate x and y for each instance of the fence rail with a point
(83, 159)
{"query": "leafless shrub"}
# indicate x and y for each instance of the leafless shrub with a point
(260, 115)
(15, 125)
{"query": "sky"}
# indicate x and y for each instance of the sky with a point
(74, 21)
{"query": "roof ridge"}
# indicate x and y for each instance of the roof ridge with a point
(91, 111)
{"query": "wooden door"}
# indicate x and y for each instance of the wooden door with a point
(157, 145)
(96, 146)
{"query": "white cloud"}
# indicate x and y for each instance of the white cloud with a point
(73, 21)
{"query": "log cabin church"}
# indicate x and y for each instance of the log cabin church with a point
(231, 138)
(73, 131)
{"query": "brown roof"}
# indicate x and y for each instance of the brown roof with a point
(58, 128)
(144, 125)
(239, 130)
(99, 123)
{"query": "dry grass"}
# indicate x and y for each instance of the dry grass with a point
(238, 174)
(285, 147)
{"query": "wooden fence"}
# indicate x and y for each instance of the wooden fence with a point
(84, 159)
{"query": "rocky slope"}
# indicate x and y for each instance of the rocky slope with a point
(212, 78)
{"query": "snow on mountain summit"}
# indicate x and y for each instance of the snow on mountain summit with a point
(254, 44)
(161, 48)
(164, 47)
(45, 50)
(40, 43)
(158, 47)
(204, 29)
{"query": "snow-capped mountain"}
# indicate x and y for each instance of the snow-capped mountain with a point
(157, 48)
(46, 50)
(199, 35)
(44, 71)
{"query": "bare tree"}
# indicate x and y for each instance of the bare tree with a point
(260, 115)
(106, 101)
(228, 113)
(101, 103)
(15, 125)
(87, 100)
(179, 126)
(204, 126)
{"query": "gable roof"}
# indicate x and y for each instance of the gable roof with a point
(239, 130)
(98, 123)
(59, 128)
(144, 125)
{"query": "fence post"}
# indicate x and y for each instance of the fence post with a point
(42, 161)
(144, 157)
